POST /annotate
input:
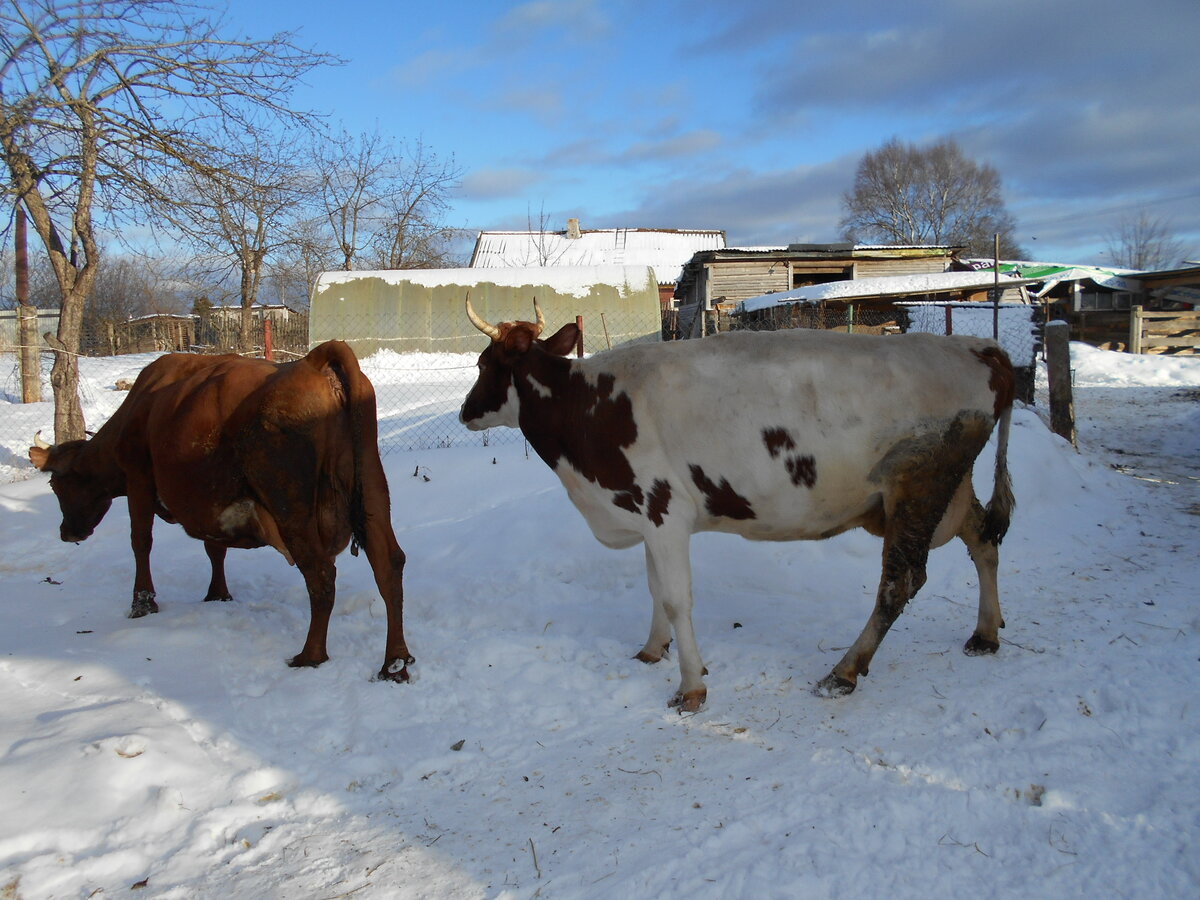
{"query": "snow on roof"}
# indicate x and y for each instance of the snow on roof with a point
(888, 285)
(577, 281)
(664, 250)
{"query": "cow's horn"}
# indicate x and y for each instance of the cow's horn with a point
(541, 319)
(38, 442)
(490, 330)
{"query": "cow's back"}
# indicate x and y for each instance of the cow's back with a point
(785, 435)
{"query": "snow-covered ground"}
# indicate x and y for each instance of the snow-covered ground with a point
(178, 757)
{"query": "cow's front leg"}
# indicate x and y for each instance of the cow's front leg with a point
(141, 536)
(217, 588)
(669, 573)
(659, 640)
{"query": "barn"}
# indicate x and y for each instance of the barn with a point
(715, 281)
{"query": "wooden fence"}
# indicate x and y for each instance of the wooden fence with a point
(1164, 332)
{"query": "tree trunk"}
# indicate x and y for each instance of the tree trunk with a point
(64, 374)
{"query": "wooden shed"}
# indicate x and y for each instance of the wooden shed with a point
(720, 279)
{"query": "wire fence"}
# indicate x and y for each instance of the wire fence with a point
(419, 393)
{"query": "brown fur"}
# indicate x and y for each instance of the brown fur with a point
(244, 453)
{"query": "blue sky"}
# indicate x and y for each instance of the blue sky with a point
(752, 116)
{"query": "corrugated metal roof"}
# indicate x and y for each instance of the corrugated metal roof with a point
(665, 250)
(885, 286)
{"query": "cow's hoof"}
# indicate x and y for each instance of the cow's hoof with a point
(143, 605)
(834, 685)
(689, 702)
(647, 655)
(300, 661)
(396, 670)
(978, 646)
(224, 598)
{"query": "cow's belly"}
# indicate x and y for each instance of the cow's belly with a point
(611, 525)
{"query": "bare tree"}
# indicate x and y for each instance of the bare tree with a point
(294, 269)
(934, 195)
(99, 101)
(388, 199)
(411, 233)
(354, 175)
(238, 214)
(1143, 241)
(126, 286)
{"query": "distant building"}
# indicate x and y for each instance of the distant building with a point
(666, 250)
(714, 282)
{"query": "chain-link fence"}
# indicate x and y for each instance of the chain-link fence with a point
(419, 393)
(1017, 327)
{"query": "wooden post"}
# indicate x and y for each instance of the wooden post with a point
(27, 336)
(579, 344)
(850, 318)
(31, 359)
(996, 293)
(1135, 330)
(268, 343)
(1058, 367)
(949, 319)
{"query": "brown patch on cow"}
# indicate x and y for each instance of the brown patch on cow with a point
(660, 501)
(630, 499)
(1003, 380)
(589, 425)
(721, 500)
(777, 440)
(801, 469)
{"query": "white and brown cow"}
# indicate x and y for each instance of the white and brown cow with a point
(782, 436)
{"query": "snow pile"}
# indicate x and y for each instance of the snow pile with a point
(178, 755)
(577, 281)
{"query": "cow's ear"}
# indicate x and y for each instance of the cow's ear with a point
(40, 457)
(563, 341)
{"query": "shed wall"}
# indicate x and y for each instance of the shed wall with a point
(373, 312)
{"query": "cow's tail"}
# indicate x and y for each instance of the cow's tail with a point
(998, 512)
(359, 398)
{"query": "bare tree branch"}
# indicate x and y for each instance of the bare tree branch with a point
(1143, 241)
(103, 103)
(910, 195)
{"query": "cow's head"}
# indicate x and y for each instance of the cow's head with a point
(83, 497)
(493, 399)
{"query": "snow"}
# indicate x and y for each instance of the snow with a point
(532, 757)
(666, 251)
(884, 286)
(577, 281)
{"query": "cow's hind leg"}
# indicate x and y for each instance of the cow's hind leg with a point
(320, 577)
(905, 551)
(387, 563)
(986, 556)
(217, 588)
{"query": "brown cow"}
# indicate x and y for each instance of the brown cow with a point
(245, 453)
